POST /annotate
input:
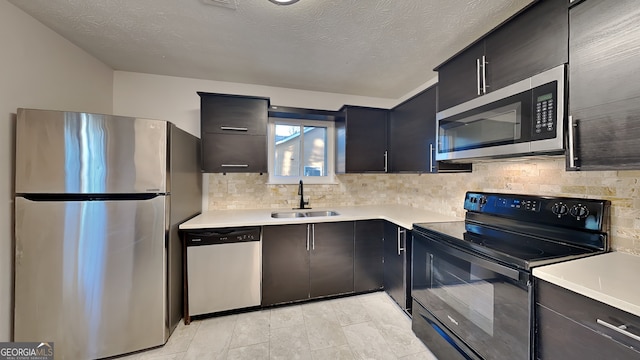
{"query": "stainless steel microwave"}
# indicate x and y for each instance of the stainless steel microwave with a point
(525, 118)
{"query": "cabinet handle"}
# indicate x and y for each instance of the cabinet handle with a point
(233, 128)
(478, 75)
(308, 235)
(431, 168)
(234, 165)
(484, 75)
(386, 162)
(313, 236)
(400, 232)
(622, 329)
(572, 157)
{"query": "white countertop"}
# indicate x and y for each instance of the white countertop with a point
(401, 215)
(611, 278)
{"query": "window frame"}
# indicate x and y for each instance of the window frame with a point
(329, 178)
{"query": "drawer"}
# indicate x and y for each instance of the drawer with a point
(226, 114)
(561, 338)
(589, 313)
(224, 153)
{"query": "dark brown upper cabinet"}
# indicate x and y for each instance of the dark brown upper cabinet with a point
(412, 136)
(361, 140)
(233, 133)
(604, 86)
(532, 41)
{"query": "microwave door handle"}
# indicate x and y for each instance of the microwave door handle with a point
(484, 75)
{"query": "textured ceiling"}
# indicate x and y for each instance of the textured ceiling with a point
(378, 48)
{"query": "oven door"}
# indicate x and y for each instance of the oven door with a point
(479, 304)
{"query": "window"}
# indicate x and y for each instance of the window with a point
(301, 150)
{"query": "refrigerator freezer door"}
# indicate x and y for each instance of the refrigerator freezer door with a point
(79, 153)
(90, 275)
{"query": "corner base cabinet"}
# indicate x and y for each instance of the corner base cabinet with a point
(573, 326)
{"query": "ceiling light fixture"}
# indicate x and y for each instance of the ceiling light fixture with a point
(283, 2)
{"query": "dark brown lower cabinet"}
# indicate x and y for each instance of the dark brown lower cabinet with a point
(285, 264)
(369, 251)
(397, 269)
(304, 261)
(331, 265)
(572, 326)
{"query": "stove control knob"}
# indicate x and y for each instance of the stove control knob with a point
(483, 200)
(579, 211)
(560, 209)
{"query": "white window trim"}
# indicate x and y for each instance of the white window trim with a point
(331, 136)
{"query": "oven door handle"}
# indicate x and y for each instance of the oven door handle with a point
(489, 265)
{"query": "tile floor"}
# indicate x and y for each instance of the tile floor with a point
(369, 326)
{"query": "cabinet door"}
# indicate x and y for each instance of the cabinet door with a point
(369, 252)
(225, 114)
(604, 80)
(331, 269)
(533, 41)
(365, 140)
(395, 269)
(234, 153)
(458, 78)
(412, 127)
(285, 264)
(412, 136)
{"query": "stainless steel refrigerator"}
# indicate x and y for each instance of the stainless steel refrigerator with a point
(98, 263)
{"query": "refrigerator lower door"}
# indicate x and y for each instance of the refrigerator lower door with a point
(90, 275)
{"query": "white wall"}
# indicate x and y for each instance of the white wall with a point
(175, 99)
(38, 69)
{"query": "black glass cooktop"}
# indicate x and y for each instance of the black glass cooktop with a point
(508, 247)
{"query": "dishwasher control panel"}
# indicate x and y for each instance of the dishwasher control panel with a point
(201, 237)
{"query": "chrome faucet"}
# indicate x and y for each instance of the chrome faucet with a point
(301, 193)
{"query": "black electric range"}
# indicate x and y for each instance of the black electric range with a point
(472, 284)
(527, 231)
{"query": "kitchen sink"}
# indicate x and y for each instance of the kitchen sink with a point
(321, 213)
(280, 215)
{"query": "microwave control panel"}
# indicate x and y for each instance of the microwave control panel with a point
(545, 113)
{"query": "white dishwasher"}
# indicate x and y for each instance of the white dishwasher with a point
(223, 269)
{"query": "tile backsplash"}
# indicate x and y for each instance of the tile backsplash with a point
(444, 193)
